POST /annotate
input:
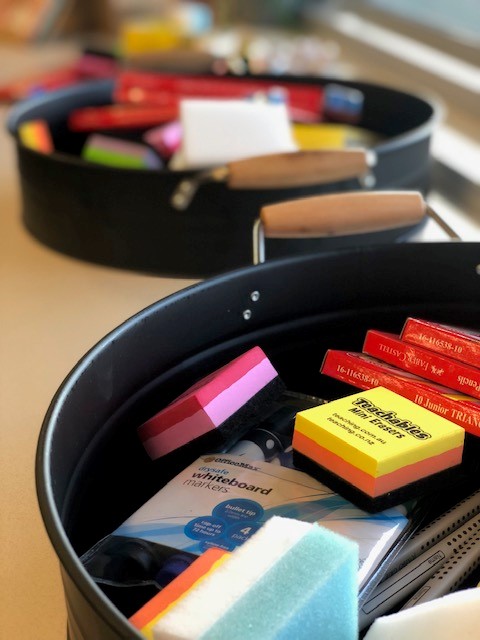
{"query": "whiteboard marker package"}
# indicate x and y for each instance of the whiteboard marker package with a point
(221, 500)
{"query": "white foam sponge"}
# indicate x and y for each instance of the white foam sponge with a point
(219, 131)
(450, 617)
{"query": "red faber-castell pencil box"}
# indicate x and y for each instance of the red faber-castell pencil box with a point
(127, 217)
(455, 342)
(421, 361)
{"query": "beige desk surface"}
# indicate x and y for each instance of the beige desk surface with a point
(53, 309)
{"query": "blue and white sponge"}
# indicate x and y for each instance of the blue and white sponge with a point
(291, 579)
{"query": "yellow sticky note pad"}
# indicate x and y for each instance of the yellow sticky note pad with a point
(377, 432)
(320, 136)
(329, 135)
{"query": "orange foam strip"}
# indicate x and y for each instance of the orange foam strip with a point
(370, 485)
(175, 589)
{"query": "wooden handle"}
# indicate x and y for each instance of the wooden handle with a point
(343, 214)
(297, 169)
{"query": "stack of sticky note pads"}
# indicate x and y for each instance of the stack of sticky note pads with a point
(377, 448)
(291, 579)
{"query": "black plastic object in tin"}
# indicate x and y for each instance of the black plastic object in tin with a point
(92, 474)
(124, 217)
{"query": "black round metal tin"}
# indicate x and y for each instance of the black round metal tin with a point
(123, 217)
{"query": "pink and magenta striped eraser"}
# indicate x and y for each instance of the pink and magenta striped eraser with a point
(216, 411)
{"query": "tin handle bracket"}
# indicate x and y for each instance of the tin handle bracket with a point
(282, 171)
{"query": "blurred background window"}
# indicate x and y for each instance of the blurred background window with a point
(455, 18)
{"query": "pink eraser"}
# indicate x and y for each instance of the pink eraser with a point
(165, 139)
(220, 405)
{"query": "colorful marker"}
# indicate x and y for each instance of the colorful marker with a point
(35, 134)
